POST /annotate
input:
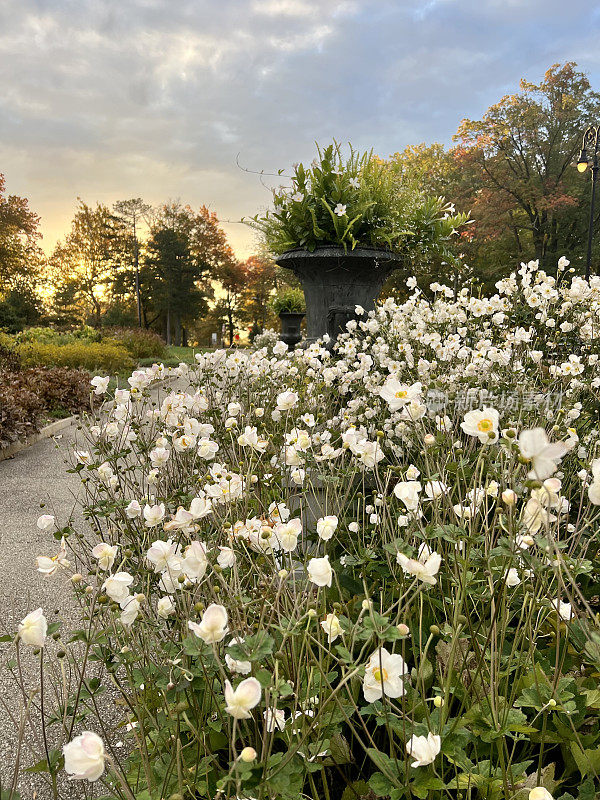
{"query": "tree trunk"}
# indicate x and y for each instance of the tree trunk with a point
(136, 260)
(178, 329)
(97, 312)
(168, 329)
(230, 326)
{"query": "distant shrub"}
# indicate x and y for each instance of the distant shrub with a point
(103, 356)
(61, 389)
(9, 358)
(39, 334)
(138, 342)
(27, 394)
(53, 336)
(20, 408)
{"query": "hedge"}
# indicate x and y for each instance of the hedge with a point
(95, 356)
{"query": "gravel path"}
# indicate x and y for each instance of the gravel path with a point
(36, 482)
(34, 475)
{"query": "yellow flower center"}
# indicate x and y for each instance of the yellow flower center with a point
(380, 674)
(402, 393)
(485, 425)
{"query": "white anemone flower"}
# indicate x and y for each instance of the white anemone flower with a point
(226, 558)
(594, 488)
(326, 527)
(233, 664)
(200, 507)
(435, 489)
(133, 510)
(331, 626)
(105, 555)
(286, 400)
(33, 628)
(195, 561)
(207, 449)
(165, 607)
(163, 554)
(397, 394)
(100, 384)
(131, 609)
(49, 565)
(213, 625)
(274, 719)
(241, 700)
(544, 455)
(423, 749)
(425, 567)
(287, 534)
(383, 676)
(320, 571)
(408, 493)
(84, 757)
(182, 521)
(154, 515)
(512, 578)
(483, 424)
(117, 586)
(564, 610)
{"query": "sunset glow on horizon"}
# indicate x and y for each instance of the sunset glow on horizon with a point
(160, 101)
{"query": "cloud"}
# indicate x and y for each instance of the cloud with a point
(156, 99)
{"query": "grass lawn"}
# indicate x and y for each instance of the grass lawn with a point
(174, 357)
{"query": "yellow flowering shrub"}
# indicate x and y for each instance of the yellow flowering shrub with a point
(89, 355)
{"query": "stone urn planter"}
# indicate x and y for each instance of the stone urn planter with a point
(290, 327)
(335, 281)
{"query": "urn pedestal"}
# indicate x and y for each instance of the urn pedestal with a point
(335, 281)
(290, 327)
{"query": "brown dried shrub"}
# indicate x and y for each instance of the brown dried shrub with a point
(26, 395)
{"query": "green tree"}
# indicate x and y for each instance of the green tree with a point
(173, 280)
(87, 258)
(19, 307)
(432, 170)
(133, 214)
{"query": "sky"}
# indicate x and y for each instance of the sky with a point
(189, 99)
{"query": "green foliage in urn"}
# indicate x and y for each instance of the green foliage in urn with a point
(291, 301)
(356, 201)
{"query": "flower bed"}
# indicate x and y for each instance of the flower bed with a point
(107, 349)
(362, 573)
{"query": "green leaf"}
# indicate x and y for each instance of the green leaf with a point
(592, 698)
(351, 584)
(588, 761)
(56, 763)
(587, 790)
(192, 646)
(340, 749)
(381, 785)
(356, 790)
(254, 648)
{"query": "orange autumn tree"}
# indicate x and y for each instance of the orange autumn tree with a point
(516, 167)
(20, 254)
(514, 171)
